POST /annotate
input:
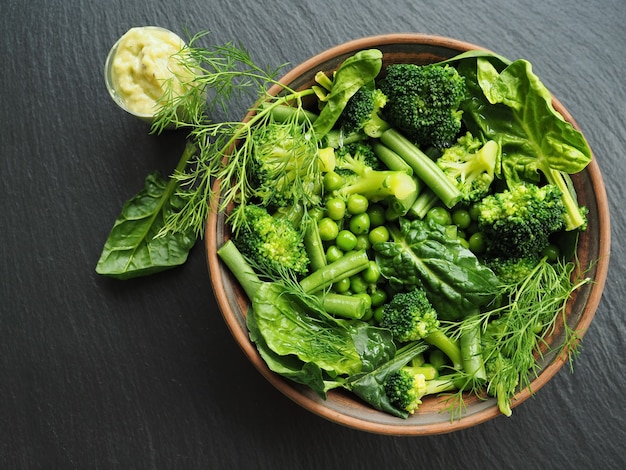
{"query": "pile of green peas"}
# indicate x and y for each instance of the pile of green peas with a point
(354, 224)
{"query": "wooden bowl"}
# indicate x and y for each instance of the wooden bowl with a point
(345, 409)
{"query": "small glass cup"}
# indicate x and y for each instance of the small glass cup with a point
(109, 78)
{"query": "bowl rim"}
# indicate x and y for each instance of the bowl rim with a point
(402, 428)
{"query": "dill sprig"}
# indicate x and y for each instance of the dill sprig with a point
(530, 322)
(212, 79)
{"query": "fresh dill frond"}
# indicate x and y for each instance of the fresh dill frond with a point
(214, 78)
(529, 322)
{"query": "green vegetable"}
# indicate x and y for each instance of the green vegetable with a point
(285, 167)
(397, 188)
(422, 255)
(362, 112)
(348, 265)
(272, 242)
(423, 102)
(135, 246)
(354, 72)
(406, 388)
(410, 317)
(515, 331)
(518, 222)
(362, 152)
(370, 386)
(423, 167)
(298, 338)
(471, 165)
(514, 108)
(511, 270)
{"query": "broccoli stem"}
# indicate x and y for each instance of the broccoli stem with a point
(429, 371)
(336, 138)
(380, 184)
(573, 217)
(345, 306)
(285, 113)
(448, 346)
(346, 266)
(437, 386)
(240, 268)
(423, 167)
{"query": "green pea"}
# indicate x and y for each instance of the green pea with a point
(358, 284)
(439, 215)
(332, 181)
(362, 242)
(335, 208)
(377, 215)
(379, 297)
(359, 223)
(378, 314)
(474, 211)
(342, 286)
(461, 218)
(371, 274)
(379, 234)
(328, 229)
(333, 253)
(357, 204)
(476, 243)
(346, 240)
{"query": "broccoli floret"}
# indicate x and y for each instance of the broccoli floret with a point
(285, 166)
(423, 102)
(513, 270)
(410, 317)
(362, 113)
(271, 243)
(350, 156)
(518, 222)
(359, 167)
(405, 388)
(471, 165)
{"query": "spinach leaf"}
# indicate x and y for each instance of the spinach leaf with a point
(370, 386)
(356, 71)
(514, 108)
(132, 248)
(374, 345)
(421, 254)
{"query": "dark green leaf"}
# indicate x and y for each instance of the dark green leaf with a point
(423, 255)
(356, 71)
(131, 249)
(370, 387)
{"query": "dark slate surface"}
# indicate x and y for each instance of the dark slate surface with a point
(144, 374)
